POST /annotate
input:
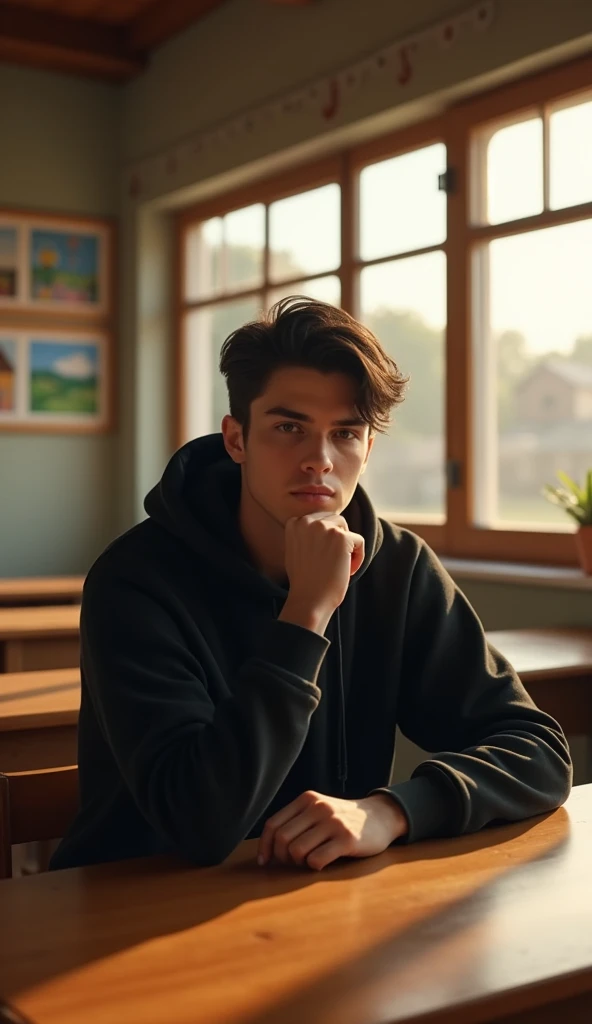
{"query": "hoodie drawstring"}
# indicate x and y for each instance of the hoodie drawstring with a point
(342, 768)
(342, 749)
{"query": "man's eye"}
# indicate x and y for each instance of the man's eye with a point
(288, 428)
(346, 435)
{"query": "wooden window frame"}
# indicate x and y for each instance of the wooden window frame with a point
(458, 128)
(466, 121)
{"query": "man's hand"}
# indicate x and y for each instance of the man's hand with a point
(321, 555)
(315, 829)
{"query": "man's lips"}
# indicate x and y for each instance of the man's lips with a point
(317, 497)
(314, 492)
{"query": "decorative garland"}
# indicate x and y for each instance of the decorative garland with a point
(328, 96)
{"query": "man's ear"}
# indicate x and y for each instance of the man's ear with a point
(234, 443)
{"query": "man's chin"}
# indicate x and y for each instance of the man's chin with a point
(306, 504)
(313, 503)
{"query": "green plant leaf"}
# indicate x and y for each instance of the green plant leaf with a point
(560, 496)
(571, 485)
(573, 499)
(578, 515)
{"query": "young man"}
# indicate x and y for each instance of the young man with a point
(248, 650)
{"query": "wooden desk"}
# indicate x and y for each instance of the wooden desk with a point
(555, 666)
(461, 931)
(39, 638)
(39, 719)
(32, 590)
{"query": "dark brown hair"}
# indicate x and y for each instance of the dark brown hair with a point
(299, 331)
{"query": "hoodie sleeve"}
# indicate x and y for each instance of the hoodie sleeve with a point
(501, 759)
(202, 775)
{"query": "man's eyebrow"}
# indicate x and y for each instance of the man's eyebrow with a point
(292, 414)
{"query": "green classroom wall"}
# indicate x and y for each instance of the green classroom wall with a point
(246, 52)
(60, 153)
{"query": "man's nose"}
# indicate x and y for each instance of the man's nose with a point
(317, 458)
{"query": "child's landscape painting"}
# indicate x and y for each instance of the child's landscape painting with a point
(65, 268)
(64, 378)
(7, 375)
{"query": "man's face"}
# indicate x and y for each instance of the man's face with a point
(306, 444)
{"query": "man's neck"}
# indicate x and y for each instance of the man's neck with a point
(263, 537)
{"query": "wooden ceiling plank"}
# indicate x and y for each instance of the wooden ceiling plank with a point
(54, 41)
(70, 8)
(120, 12)
(113, 12)
(82, 9)
(45, 5)
(164, 19)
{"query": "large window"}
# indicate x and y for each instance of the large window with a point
(465, 244)
(532, 297)
(239, 263)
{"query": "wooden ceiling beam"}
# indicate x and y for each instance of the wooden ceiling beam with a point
(60, 43)
(162, 20)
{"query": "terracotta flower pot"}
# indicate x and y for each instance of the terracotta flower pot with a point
(584, 543)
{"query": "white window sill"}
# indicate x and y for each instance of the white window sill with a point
(513, 572)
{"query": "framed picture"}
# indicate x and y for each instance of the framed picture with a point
(55, 265)
(55, 381)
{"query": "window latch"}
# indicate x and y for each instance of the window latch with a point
(453, 474)
(447, 181)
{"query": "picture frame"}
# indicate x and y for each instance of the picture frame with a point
(55, 265)
(55, 380)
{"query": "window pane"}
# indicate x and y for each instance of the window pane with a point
(206, 399)
(515, 171)
(401, 207)
(245, 244)
(225, 253)
(203, 260)
(305, 233)
(537, 416)
(570, 139)
(404, 303)
(325, 289)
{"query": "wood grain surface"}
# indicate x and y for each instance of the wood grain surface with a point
(458, 931)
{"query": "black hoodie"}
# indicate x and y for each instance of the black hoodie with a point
(202, 714)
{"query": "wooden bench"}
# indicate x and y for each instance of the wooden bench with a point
(39, 638)
(39, 710)
(39, 719)
(40, 590)
(555, 666)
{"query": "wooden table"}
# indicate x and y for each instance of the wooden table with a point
(32, 590)
(39, 719)
(39, 638)
(458, 931)
(555, 666)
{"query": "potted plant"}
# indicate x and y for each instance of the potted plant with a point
(577, 502)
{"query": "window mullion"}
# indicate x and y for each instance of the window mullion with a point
(266, 259)
(458, 341)
(349, 234)
(546, 159)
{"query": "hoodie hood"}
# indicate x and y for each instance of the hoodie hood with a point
(197, 500)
